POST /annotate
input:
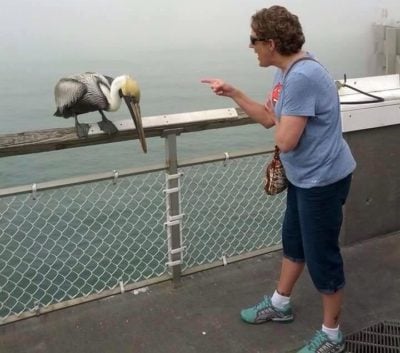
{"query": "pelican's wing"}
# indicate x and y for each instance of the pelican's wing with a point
(109, 79)
(91, 78)
(68, 91)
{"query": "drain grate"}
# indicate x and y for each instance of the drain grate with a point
(383, 337)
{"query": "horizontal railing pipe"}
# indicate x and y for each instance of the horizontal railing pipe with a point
(84, 179)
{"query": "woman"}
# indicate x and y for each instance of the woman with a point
(304, 108)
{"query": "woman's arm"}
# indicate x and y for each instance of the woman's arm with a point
(288, 131)
(253, 109)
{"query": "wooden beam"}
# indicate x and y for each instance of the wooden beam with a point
(63, 138)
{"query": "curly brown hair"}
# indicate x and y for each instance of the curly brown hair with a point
(277, 23)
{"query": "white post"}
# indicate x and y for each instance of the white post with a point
(392, 49)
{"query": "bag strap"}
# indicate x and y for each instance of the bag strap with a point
(296, 61)
(277, 150)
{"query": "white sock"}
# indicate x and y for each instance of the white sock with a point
(333, 333)
(279, 301)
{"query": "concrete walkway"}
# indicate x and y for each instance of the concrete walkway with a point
(201, 315)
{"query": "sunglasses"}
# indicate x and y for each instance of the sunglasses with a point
(254, 40)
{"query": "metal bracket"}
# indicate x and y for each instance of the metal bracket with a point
(174, 263)
(226, 158)
(172, 190)
(176, 217)
(174, 176)
(178, 250)
(121, 286)
(34, 191)
(36, 308)
(170, 223)
(176, 131)
(224, 260)
(116, 174)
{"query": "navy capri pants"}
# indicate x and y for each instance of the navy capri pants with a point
(310, 231)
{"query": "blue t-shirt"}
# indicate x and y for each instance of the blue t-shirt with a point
(322, 156)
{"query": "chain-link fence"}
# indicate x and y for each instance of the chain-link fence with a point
(77, 241)
(226, 210)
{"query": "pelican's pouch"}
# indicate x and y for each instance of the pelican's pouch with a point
(275, 177)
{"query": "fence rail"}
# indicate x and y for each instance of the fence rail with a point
(62, 138)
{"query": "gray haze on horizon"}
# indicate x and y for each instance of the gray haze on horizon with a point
(168, 46)
(72, 29)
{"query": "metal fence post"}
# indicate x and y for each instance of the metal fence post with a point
(173, 206)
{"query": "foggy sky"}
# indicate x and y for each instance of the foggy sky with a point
(46, 29)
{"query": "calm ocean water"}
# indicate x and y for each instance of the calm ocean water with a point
(170, 83)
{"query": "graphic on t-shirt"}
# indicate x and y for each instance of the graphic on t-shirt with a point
(276, 92)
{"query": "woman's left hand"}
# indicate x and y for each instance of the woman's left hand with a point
(270, 108)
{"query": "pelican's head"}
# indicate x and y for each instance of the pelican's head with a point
(131, 93)
(130, 88)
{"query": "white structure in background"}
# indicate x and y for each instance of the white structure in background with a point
(375, 114)
(387, 48)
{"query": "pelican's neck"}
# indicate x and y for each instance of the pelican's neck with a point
(114, 98)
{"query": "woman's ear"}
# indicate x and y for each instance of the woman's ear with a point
(271, 44)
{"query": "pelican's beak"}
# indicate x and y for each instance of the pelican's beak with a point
(134, 109)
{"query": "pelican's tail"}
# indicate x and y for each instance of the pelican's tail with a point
(58, 112)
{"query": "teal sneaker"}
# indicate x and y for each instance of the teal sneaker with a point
(321, 343)
(265, 311)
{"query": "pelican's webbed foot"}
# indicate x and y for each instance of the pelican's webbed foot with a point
(82, 130)
(106, 125)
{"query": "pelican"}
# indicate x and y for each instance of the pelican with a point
(89, 92)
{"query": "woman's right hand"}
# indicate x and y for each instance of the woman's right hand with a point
(219, 87)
